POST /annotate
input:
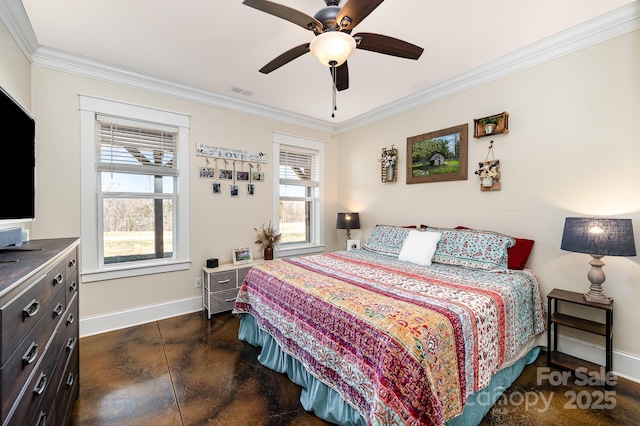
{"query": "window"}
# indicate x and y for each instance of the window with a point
(299, 215)
(135, 198)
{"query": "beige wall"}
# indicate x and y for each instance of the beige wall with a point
(15, 68)
(573, 149)
(217, 223)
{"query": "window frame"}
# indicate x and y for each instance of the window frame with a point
(93, 268)
(316, 243)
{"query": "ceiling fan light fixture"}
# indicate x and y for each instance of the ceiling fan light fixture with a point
(332, 48)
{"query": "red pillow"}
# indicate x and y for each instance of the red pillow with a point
(518, 254)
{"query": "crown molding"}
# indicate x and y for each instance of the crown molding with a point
(610, 25)
(14, 16)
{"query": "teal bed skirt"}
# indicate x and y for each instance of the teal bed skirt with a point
(327, 404)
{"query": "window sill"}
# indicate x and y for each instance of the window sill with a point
(300, 250)
(115, 272)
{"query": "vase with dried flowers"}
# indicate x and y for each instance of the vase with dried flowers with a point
(388, 159)
(488, 171)
(268, 238)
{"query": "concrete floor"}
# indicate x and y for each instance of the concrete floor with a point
(190, 371)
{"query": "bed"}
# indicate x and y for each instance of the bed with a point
(419, 327)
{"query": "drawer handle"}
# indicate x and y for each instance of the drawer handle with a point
(41, 385)
(72, 262)
(59, 309)
(58, 279)
(73, 286)
(70, 319)
(71, 343)
(42, 419)
(31, 309)
(70, 379)
(231, 300)
(30, 355)
(224, 282)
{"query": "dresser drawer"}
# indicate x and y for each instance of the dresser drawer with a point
(71, 262)
(39, 393)
(72, 286)
(67, 335)
(16, 371)
(22, 313)
(69, 388)
(223, 300)
(223, 280)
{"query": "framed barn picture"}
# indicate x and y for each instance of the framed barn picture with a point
(438, 156)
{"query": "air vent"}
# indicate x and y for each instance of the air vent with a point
(240, 91)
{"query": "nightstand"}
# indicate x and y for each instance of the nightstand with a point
(220, 286)
(555, 318)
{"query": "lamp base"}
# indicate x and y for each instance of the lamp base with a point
(596, 295)
(596, 278)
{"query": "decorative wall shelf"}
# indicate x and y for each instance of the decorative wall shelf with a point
(502, 126)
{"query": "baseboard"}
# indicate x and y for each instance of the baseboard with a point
(123, 319)
(624, 364)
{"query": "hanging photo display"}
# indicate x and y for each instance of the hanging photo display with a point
(230, 165)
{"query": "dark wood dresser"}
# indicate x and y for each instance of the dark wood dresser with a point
(39, 284)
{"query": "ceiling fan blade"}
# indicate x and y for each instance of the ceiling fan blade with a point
(285, 58)
(292, 15)
(342, 77)
(387, 45)
(355, 11)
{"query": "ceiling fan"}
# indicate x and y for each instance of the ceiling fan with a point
(333, 43)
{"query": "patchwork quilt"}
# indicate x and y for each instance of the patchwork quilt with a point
(401, 343)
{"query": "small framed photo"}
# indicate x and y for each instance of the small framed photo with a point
(217, 189)
(241, 176)
(242, 255)
(207, 172)
(234, 190)
(257, 176)
(353, 245)
(225, 174)
(250, 189)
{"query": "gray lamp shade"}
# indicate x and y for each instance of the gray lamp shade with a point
(606, 237)
(348, 221)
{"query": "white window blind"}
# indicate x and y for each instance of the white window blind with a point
(126, 148)
(296, 166)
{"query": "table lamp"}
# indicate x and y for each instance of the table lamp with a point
(348, 221)
(598, 237)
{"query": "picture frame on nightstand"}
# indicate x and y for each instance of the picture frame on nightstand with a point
(242, 255)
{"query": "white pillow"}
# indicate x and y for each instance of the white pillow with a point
(419, 247)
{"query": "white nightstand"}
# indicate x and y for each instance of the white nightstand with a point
(220, 286)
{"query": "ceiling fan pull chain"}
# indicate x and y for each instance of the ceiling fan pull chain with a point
(333, 83)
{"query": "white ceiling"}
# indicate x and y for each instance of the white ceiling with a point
(217, 45)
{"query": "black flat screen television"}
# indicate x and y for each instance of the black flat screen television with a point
(18, 165)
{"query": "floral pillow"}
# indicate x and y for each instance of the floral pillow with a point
(387, 239)
(472, 249)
